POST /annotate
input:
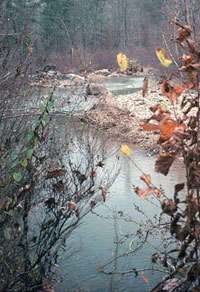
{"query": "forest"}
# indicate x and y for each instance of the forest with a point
(99, 151)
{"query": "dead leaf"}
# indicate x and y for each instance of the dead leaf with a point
(122, 61)
(157, 192)
(143, 193)
(103, 192)
(164, 163)
(163, 57)
(167, 127)
(144, 277)
(100, 164)
(58, 187)
(170, 92)
(92, 204)
(72, 205)
(149, 127)
(192, 47)
(188, 59)
(146, 178)
(56, 173)
(169, 207)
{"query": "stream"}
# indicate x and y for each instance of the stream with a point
(119, 225)
(95, 240)
(94, 243)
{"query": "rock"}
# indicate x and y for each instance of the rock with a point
(48, 68)
(75, 77)
(51, 73)
(104, 72)
(94, 89)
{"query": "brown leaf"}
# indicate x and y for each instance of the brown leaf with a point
(145, 86)
(55, 173)
(178, 188)
(195, 66)
(192, 47)
(92, 204)
(100, 164)
(188, 59)
(170, 92)
(179, 134)
(191, 208)
(58, 187)
(190, 85)
(143, 193)
(182, 272)
(103, 192)
(164, 163)
(169, 207)
(193, 272)
(193, 76)
(157, 192)
(192, 122)
(72, 205)
(185, 32)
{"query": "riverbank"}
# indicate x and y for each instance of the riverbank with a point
(120, 117)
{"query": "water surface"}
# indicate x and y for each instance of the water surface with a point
(96, 239)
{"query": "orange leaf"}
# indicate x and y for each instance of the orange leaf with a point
(157, 192)
(170, 92)
(178, 90)
(146, 178)
(144, 277)
(143, 193)
(188, 59)
(149, 127)
(167, 127)
(72, 205)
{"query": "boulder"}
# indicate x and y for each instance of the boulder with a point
(95, 89)
(103, 72)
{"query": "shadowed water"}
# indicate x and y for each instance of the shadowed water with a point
(96, 240)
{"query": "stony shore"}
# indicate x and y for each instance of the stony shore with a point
(120, 117)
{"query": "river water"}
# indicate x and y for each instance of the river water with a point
(122, 219)
(118, 226)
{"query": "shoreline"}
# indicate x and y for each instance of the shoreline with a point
(120, 118)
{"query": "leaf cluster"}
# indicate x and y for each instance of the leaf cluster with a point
(179, 137)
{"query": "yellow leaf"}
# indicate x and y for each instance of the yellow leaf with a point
(146, 178)
(126, 150)
(163, 57)
(45, 96)
(122, 61)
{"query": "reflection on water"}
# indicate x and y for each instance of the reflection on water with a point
(96, 238)
(121, 85)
